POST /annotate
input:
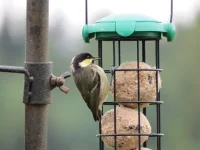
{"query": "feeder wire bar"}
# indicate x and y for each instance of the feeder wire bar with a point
(114, 60)
(127, 102)
(150, 135)
(139, 69)
(158, 96)
(138, 78)
(115, 113)
(100, 62)
(144, 60)
(119, 53)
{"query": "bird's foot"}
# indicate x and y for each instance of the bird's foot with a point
(112, 72)
(112, 69)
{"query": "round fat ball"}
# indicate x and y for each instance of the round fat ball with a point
(127, 84)
(126, 123)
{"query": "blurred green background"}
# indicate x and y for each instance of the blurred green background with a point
(71, 126)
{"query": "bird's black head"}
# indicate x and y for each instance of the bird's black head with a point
(83, 60)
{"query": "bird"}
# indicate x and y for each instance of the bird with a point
(91, 81)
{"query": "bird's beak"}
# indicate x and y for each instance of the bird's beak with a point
(96, 58)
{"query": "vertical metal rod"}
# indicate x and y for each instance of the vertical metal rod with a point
(158, 96)
(138, 73)
(143, 51)
(115, 115)
(36, 51)
(171, 12)
(100, 62)
(119, 53)
(144, 60)
(86, 12)
(114, 53)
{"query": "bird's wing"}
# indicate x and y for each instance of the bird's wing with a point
(88, 82)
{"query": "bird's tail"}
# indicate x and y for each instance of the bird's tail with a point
(97, 115)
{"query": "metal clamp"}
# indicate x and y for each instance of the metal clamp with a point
(38, 90)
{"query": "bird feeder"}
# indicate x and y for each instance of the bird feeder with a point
(140, 29)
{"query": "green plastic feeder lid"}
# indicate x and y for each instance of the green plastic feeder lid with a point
(128, 26)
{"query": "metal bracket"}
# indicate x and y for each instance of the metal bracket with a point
(22, 70)
(39, 90)
(38, 81)
(14, 69)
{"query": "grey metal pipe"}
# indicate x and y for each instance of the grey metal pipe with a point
(37, 17)
(36, 127)
(36, 52)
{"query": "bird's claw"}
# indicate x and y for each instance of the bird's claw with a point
(112, 69)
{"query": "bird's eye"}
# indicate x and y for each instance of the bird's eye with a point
(88, 56)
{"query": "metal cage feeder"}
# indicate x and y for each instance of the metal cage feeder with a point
(137, 28)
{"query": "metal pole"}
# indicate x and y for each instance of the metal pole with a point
(36, 55)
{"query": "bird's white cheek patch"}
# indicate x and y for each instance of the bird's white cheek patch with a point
(85, 63)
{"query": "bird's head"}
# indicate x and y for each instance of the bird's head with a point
(83, 60)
